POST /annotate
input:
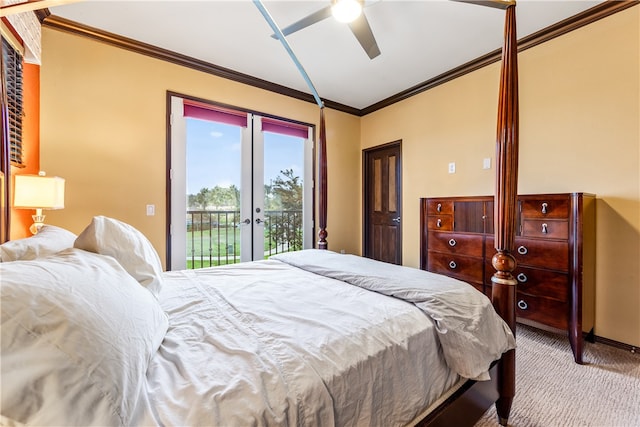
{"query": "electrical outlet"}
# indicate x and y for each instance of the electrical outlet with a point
(452, 167)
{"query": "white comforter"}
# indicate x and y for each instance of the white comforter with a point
(311, 338)
(266, 343)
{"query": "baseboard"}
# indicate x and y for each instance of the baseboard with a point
(588, 336)
(628, 347)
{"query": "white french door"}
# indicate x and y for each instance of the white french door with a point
(241, 186)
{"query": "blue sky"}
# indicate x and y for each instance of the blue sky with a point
(213, 155)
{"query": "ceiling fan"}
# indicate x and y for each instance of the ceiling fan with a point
(347, 11)
(351, 12)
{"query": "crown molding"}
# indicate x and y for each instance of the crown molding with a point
(577, 21)
(72, 27)
(587, 17)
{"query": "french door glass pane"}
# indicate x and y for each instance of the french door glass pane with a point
(283, 193)
(213, 193)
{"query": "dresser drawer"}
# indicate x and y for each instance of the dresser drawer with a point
(550, 229)
(461, 267)
(440, 222)
(456, 243)
(548, 254)
(542, 310)
(436, 207)
(536, 282)
(545, 208)
(543, 283)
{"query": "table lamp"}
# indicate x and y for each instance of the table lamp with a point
(38, 192)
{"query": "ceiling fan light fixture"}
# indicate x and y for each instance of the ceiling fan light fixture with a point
(346, 10)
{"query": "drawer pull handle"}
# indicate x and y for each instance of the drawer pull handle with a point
(522, 305)
(439, 207)
(452, 242)
(522, 250)
(522, 278)
(544, 208)
(544, 229)
(439, 223)
(452, 265)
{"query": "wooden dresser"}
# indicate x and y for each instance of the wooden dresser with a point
(554, 250)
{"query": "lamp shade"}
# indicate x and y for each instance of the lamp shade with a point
(38, 192)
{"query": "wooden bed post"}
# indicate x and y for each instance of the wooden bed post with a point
(504, 284)
(322, 178)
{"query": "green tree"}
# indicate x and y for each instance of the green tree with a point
(200, 200)
(288, 188)
(286, 226)
(235, 196)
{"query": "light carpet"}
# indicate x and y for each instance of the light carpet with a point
(552, 390)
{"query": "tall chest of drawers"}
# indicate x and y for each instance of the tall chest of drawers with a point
(554, 250)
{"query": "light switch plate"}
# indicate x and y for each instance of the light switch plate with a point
(486, 163)
(151, 210)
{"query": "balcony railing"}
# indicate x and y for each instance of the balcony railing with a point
(213, 237)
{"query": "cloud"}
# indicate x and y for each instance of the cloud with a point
(216, 134)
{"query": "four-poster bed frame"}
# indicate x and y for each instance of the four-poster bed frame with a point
(469, 402)
(472, 400)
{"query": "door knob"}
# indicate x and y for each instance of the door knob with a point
(246, 221)
(396, 220)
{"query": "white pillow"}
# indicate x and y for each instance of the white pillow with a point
(108, 236)
(49, 240)
(78, 333)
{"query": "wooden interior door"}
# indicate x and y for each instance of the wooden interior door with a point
(383, 203)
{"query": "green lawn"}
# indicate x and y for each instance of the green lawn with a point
(206, 249)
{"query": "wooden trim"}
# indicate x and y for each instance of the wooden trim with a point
(617, 344)
(72, 27)
(322, 180)
(168, 177)
(366, 207)
(184, 96)
(42, 14)
(584, 18)
(580, 20)
(466, 405)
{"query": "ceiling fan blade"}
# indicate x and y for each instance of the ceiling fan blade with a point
(498, 4)
(306, 21)
(362, 30)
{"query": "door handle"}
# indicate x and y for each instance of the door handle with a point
(396, 220)
(259, 221)
(247, 221)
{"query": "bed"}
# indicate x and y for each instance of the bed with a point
(96, 334)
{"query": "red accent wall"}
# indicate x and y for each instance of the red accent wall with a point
(21, 218)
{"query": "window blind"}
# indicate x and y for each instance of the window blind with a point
(203, 111)
(285, 128)
(12, 67)
(197, 110)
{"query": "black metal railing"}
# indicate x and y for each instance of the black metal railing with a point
(283, 231)
(213, 236)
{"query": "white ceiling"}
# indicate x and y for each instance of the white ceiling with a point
(419, 40)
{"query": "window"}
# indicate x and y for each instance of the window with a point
(12, 67)
(243, 181)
